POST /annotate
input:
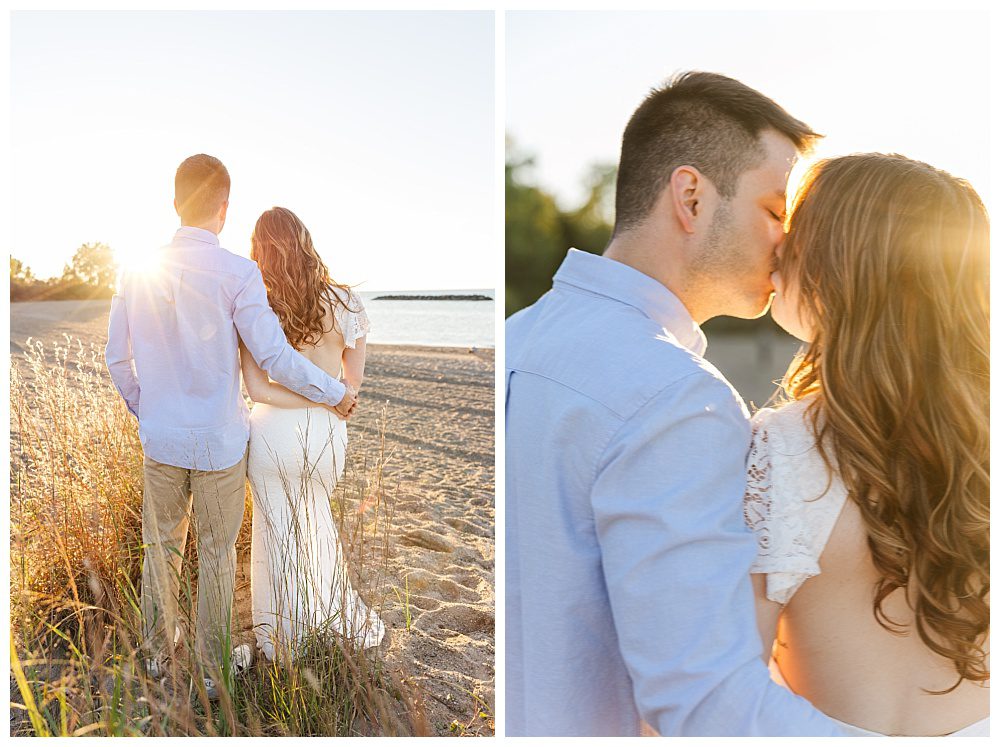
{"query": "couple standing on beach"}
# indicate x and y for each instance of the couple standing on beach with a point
(181, 330)
(659, 541)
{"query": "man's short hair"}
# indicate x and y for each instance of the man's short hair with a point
(704, 120)
(201, 185)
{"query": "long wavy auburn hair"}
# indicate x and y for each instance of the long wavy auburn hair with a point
(891, 258)
(299, 287)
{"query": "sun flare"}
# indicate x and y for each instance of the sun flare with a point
(138, 261)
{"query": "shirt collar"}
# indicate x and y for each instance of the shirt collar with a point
(197, 234)
(607, 277)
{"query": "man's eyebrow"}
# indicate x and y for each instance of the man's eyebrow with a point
(780, 193)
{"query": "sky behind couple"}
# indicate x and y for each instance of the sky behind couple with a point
(650, 563)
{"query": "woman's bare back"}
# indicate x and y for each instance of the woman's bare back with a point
(328, 352)
(832, 651)
(814, 559)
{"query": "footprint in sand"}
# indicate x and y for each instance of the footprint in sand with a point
(424, 604)
(426, 539)
(456, 618)
(452, 592)
(467, 577)
(471, 557)
(435, 588)
(468, 527)
(419, 580)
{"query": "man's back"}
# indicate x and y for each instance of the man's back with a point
(625, 543)
(185, 349)
(173, 351)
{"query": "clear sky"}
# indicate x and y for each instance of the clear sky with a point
(376, 128)
(914, 83)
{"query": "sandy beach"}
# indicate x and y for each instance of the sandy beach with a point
(439, 414)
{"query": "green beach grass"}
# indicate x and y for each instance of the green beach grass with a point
(76, 497)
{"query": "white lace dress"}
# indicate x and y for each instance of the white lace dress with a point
(792, 505)
(299, 581)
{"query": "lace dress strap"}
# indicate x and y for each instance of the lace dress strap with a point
(352, 323)
(791, 503)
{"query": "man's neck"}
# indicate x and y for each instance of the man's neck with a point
(210, 227)
(659, 260)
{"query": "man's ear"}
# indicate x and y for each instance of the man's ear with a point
(176, 209)
(686, 194)
(223, 210)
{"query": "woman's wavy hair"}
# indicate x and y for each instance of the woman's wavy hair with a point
(891, 258)
(299, 287)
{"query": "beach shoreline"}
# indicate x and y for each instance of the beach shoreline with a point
(383, 347)
(80, 319)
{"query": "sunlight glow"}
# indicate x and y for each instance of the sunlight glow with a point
(796, 177)
(870, 97)
(137, 261)
(393, 201)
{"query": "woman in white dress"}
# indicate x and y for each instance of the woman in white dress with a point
(299, 581)
(869, 491)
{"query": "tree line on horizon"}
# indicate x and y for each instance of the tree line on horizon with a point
(91, 274)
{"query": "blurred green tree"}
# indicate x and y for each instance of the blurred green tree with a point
(539, 233)
(589, 227)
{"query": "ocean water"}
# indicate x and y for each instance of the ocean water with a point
(437, 323)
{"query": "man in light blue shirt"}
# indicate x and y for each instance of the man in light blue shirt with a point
(628, 596)
(173, 354)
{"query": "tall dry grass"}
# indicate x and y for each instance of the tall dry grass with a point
(76, 662)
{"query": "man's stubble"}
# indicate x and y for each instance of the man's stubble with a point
(719, 271)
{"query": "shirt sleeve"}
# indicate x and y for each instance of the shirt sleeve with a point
(676, 557)
(118, 354)
(353, 322)
(261, 332)
(789, 504)
(785, 560)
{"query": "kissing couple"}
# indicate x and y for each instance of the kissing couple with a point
(662, 547)
(181, 330)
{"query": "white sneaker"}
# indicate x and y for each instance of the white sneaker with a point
(211, 689)
(154, 668)
(154, 665)
(241, 661)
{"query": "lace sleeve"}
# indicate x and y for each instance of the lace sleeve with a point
(352, 323)
(784, 553)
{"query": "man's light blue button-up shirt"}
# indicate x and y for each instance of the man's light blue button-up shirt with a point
(628, 591)
(173, 351)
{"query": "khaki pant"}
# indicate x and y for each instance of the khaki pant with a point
(218, 500)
